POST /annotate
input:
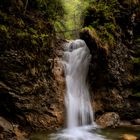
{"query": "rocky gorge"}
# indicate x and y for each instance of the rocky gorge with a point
(32, 84)
(114, 44)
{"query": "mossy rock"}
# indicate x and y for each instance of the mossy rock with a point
(102, 16)
(89, 34)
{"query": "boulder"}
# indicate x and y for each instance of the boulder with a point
(110, 119)
(136, 121)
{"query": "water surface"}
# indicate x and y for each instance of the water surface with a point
(110, 133)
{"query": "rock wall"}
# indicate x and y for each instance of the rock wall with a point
(111, 33)
(29, 96)
(31, 76)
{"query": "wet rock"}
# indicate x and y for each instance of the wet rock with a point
(6, 130)
(136, 121)
(129, 137)
(110, 119)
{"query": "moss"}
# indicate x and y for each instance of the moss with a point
(32, 30)
(136, 94)
(107, 36)
(110, 27)
(137, 40)
(102, 16)
(29, 35)
(95, 37)
(22, 34)
(135, 60)
(4, 28)
(92, 32)
(4, 33)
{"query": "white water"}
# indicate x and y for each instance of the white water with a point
(80, 120)
(78, 107)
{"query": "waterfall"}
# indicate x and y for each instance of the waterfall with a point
(76, 62)
(79, 113)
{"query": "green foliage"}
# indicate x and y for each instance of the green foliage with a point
(107, 35)
(137, 40)
(19, 32)
(52, 10)
(64, 15)
(136, 94)
(101, 15)
(3, 28)
(75, 9)
(73, 18)
(4, 31)
(135, 60)
(31, 41)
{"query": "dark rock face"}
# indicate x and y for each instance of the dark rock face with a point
(27, 94)
(31, 79)
(113, 75)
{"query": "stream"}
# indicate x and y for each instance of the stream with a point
(109, 133)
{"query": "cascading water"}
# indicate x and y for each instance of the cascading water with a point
(80, 119)
(78, 107)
